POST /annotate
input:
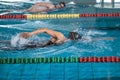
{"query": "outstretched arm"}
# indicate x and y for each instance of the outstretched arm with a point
(40, 30)
(43, 4)
(28, 34)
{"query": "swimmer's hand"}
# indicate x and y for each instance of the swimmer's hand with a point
(25, 35)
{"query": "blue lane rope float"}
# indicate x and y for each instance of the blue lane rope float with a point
(109, 59)
(56, 16)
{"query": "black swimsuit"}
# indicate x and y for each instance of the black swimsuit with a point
(35, 45)
(48, 44)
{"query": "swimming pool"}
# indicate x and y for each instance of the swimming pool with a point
(91, 27)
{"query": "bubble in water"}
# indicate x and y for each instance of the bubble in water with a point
(18, 41)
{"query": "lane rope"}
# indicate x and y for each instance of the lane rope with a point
(108, 59)
(56, 16)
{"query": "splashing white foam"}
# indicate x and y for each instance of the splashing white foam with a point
(18, 41)
(71, 2)
(95, 33)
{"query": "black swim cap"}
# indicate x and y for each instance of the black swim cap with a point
(74, 36)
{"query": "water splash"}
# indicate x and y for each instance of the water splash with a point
(72, 2)
(90, 32)
(18, 41)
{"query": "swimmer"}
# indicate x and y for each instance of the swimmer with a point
(44, 7)
(58, 37)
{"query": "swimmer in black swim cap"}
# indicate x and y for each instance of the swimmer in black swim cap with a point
(58, 37)
(74, 36)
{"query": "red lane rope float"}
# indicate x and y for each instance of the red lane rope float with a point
(100, 59)
(108, 59)
(101, 15)
(56, 16)
(18, 16)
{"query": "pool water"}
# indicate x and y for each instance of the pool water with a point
(89, 28)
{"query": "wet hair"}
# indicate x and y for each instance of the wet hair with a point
(63, 3)
(74, 36)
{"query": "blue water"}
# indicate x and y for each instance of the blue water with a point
(87, 27)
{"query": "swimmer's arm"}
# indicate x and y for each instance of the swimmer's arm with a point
(43, 4)
(38, 31)
(28, 34)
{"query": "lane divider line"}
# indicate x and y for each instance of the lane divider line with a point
(108, 59)
(56, 16)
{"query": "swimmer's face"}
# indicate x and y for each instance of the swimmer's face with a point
(60, 6)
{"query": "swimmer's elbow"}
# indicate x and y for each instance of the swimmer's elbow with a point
(43, 29)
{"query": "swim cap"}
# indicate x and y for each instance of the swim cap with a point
(74, 36)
